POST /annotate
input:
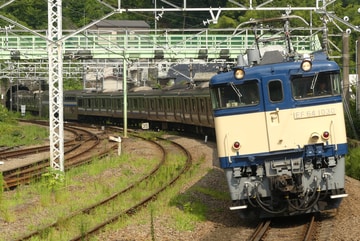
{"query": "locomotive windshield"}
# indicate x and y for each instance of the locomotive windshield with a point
(234, 95)
(318, 85)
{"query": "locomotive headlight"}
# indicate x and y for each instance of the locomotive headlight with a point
(239, 73)
(236, 145)
(306, 65)
(325, 135)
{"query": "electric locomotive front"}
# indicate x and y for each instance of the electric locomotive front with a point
(281, 136)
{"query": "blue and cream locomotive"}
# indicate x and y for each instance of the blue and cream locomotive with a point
(280, 132)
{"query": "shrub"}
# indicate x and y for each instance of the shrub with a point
(353, 163)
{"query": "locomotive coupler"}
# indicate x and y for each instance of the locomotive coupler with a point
(284, 183)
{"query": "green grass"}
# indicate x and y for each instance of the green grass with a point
(352, 164)
(14, 134)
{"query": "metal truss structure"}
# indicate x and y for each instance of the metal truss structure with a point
(56, 114)
(55, 42)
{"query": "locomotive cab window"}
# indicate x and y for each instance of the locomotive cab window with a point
(233, 94)
(276, 93)
(318, 85)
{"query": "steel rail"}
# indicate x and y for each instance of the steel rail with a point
(106, 200)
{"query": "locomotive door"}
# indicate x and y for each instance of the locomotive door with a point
(275, 113)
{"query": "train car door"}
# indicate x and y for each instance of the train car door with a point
(276, 114)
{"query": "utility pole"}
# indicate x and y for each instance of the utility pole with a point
(345, 54)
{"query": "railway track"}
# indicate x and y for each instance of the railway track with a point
(81, 149)
(123, 202)
(7, 153)
(302, 228)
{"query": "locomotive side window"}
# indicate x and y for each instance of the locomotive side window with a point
(275, 91)
(235, 95)
(318, 85)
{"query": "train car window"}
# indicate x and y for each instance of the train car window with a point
(177, 105)
(193, 104)
(160, 101)
(142, 104)
(275, 91)
(152, 104)
(115, 103)
(169, 104)
(202, 106)
(146, 104)
(232, 95)
(186, 105)
(68, 98)
(318, 85)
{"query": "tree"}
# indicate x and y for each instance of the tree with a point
(32, 13)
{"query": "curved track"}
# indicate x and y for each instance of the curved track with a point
(81, 149)
(125, 195)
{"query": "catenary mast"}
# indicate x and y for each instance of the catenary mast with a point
(56, 113)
